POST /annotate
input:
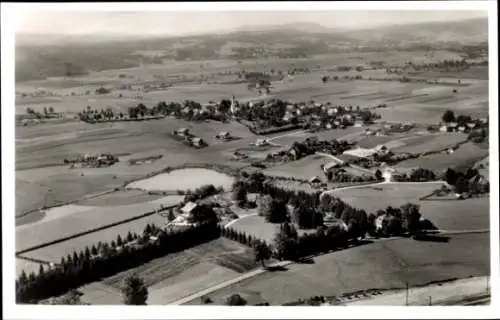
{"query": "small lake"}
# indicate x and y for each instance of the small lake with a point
(183, 179)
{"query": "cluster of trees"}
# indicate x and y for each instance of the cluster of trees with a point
(311, 145)
(202, 192)
(416, 175)
(271, 116)
(103, 260)
(325, 79)
(340, 175)
(89, 114)
(463, 182)
(479, 136)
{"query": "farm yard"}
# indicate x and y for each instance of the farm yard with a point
(385, 265)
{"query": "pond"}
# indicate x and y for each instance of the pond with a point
(184, 179)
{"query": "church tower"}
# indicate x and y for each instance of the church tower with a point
(234, 107)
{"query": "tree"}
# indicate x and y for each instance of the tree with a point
(450, 176)
(411, 217)
(261, 252)
(51, 109)
(448, 116)
(378, 174)
(285, 245)
(324, 79)
(274, 210)
(45, 111)
(235, 300)
(239, 191)
(171, 215)
(461, 185)
(134, 292)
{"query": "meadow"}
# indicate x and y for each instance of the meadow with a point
(388, 264)
(179, 274)
(76, 221)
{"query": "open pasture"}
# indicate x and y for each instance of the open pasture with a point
(470, 214)
(80, 219)
(435, 142)
(183, 179)
(179, 274)
(384, 265)
(304, 168)
(53, 253)
(119, 198)
(380, 196)
(465, 156)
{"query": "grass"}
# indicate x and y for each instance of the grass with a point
(470, 214)
(119, 198)
(66, 225)
(304, 168)
(382, 265)
(184, 179)
(54, 252)
(435, 142)
(465, 156)
(179, 274)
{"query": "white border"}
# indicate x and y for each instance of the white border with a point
(12, 311)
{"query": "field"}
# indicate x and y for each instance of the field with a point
(304, 168)
(426, 143)
(78, 219)
(43, 180)
(180, 274)
(382, 265)
(465, 156)
(53, 253)
(184, 179)
(470, 214)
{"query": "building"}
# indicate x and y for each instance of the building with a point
(224, 135)
(315, 179)
(198, 142)
(261, 142)
(331, 166)
(358, 124)
(182, 132)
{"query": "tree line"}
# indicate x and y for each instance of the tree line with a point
(103, 260)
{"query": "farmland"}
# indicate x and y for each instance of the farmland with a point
(465, 156)
(82, 219)
(180, 274)
(384, 265)
(129, 114)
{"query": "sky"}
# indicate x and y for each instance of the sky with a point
(189, 22)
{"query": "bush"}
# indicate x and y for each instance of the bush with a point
(235, 300)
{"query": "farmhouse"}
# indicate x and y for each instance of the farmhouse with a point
(358, 124)
(330, 166)
(182, 132)
(261, 142)
(198, 142)
(224, 135)
(315, 179)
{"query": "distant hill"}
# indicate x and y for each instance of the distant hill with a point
(464, 31)
(40, 56)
